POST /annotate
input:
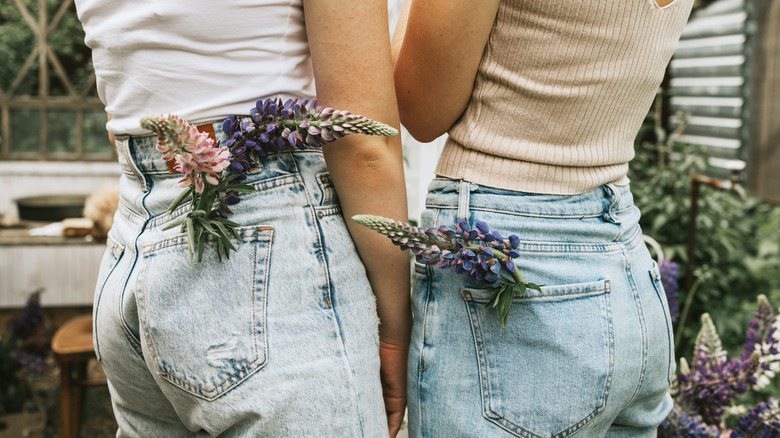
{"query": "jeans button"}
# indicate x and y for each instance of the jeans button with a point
(320, 215)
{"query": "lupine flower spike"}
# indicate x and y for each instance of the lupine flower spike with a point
(708, 389)
(212, 175)
(478, 252)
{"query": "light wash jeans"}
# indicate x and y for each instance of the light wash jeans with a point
(589, 356)
(279, 340)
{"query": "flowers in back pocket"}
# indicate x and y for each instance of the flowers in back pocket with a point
(477, 252)
(212, 174)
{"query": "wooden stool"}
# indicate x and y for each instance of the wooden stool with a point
(73, 348)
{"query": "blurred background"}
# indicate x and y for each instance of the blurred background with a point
(707, 172)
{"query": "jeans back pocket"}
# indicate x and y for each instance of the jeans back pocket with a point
(204, 323)
(549, 372)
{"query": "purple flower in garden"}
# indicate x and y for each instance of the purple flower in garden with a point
(763, 340)
(763, 421)
(713, 382)
(670, 272)
(29, 321)
(478, 252)
(681, 425)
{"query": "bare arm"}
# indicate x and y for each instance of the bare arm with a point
(437, 62)
(350, 49)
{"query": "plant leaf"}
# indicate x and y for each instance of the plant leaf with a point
(240, 188)
(180, 199)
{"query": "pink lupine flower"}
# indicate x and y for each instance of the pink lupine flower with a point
(196, 156)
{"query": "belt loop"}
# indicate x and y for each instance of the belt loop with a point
(123, 145)
(613, 197)
(464, 192)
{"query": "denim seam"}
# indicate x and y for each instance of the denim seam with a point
(484, 378)
(315, 221)
(424, 328)
(165, 218)
(193, 388)
(117, 250)
(578, 248)
(642, 324)
(530, 214)
(135, 342)
(150, 248)
(536, 297)
(660, 292)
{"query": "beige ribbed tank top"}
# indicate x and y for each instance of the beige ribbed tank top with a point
(561, 91)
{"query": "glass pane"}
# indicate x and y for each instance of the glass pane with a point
(25, 131)
(16, 43)
(61, 132)
(95, 135)
(67, 43)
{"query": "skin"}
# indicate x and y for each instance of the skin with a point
(350, 52)
(437, 47)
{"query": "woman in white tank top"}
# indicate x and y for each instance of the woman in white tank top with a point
(282, 339)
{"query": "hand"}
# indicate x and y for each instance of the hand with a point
(393, 375)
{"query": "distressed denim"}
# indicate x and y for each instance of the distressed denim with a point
(589, 356)
(278, 340)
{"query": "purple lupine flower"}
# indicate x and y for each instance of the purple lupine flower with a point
(670, 272)
(29, 321)
(713, 382)
(680, 424)
(763, 340)
(277, 126)
(481, 254)
(763, 421)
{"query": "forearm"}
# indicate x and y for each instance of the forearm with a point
(369, 180)
(350, 47)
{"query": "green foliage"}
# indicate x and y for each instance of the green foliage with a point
(18, 42)
(736, 251)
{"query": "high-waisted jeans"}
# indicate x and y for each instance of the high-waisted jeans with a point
(589, 356)
(278, 340)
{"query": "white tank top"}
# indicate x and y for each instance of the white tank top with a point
(200, 59)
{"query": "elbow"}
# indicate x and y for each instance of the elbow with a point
(421, 131)
(424, 126)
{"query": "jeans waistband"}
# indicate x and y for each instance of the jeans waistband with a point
(138, 154)
(606, 200)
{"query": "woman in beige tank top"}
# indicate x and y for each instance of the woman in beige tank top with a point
(541, 101)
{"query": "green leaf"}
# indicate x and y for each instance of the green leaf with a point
(504, 303)
(201, 244)
(174, 224)
(207, 226)
(180, 199)
(190, 224)
(534, 286)
(493, 301)
(240, 188)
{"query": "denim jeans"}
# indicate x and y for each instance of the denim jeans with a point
(589, 356)
(278, 340)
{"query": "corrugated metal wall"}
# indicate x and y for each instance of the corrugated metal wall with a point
(725, 81)
(710, 83)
